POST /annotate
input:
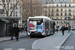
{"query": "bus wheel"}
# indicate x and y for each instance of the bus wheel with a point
(52, 32)
(31, 36)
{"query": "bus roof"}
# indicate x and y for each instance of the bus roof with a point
(44, 17)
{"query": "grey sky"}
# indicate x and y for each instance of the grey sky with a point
(57, 1)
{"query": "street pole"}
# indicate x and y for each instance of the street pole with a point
(68, 25)
(31, 9)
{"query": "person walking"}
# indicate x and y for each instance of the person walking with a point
(11, 32)
(63, 29)
(16, 31)
(53, 27)
(25, 28)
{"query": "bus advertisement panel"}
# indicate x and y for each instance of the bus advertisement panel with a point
(33, 26)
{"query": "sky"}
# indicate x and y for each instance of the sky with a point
(57, 1)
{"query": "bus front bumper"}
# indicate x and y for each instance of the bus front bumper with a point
(36, 33)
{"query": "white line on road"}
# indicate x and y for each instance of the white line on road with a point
(21, 49)
(8, 49)
(17, 49)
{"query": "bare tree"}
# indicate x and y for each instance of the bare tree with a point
(6, 6)
(36, 9)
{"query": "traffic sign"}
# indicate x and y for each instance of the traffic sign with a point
(66, 17)
(23, 23)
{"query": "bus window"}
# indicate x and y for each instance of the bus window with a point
(39, 21)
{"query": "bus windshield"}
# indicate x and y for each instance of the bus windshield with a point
(39, 21)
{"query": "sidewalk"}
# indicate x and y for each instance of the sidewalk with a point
(21, 35)
(53, 42)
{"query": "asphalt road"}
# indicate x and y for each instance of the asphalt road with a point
(22, 44)
(70, 43)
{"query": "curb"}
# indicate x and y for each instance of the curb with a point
(13, 38)
(64, 41)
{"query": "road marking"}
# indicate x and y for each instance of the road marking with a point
(8, 49)
(21, 49)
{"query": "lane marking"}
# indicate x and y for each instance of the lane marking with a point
(21, 49)
(8, 49)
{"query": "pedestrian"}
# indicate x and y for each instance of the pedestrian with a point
(63, 29)
(21, 29)
(16, 31)
(11, 31)
(53, 27)
(25, 28)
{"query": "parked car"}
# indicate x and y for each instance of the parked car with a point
(73, 28)
(56, 29)
(66, 28)
(60, 28)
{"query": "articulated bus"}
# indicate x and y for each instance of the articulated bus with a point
(40, 25)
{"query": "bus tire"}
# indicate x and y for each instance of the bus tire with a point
(52, 32)
(31, 36)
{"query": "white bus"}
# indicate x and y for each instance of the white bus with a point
(40, 25)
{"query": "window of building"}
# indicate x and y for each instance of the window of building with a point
(57, 10)
(57, 5)
(52, 17)
(49, 10)
(69, 5)
(3, 0)
(65, 9)
(45, 14)
(61, 9)
(61, 5)
(49, 15)
(61, 14)
(52, 10)
(65, 14)
(52, 14)
(61, 22)
(56, 17)
(11, 13)
(57, 22)
(46, 2)
(64, 21)
(65, 5)
(69, 9)
(57, 14)
(69, 14)
(61, 18)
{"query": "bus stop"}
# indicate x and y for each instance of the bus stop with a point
(5, 23)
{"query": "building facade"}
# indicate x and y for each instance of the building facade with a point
(12, 3)
(73, 1)
(10, 14)
(60, 11)
(12, 8)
